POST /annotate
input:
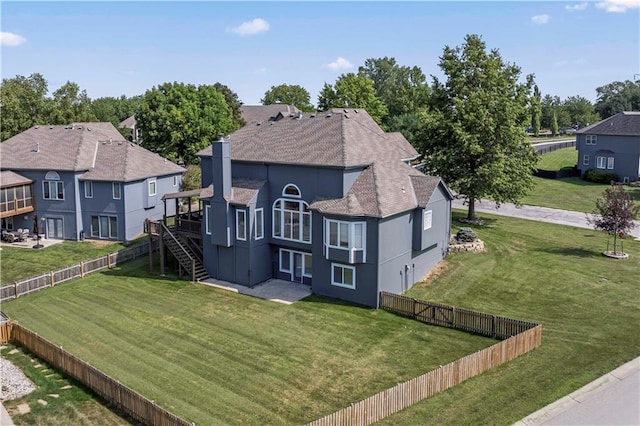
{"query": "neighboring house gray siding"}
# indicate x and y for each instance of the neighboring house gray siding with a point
(612, 145)
(339, 207)
(72, 157)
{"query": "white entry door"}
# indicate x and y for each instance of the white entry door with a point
(54, 228)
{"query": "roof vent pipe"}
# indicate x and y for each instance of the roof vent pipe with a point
(37, 147)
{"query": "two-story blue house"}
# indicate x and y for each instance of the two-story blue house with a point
(328, 200)
(82, 181)
(612, 145)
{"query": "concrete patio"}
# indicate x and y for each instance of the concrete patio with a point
(30, 242)
(280, 291)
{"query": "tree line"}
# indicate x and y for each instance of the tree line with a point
(469, 128)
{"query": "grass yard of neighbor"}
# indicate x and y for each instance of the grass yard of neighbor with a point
(589, 306)
(571, 193)
(559, 159)
(216, 357)
(19, 263)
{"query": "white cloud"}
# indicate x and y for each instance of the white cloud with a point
(566, 63)
(540, 19)
(618, 6)
(574, 7)
(256, 26)
(11, 39)
(339, 64)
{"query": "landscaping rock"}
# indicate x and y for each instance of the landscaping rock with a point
(14, 383)
(66, 387)
(24, 408)
(43, 402)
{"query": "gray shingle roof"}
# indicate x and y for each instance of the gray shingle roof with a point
(97, 148)
(255, 113)
(9, 178)
(626, 123)
(243, 190)
(128, 123)
(339, 138)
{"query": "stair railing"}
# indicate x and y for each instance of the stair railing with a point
(184, 251)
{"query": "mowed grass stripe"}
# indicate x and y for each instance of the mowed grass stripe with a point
(589, 306)
(214, 356)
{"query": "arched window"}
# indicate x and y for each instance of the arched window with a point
(52, 176)
(291, 218)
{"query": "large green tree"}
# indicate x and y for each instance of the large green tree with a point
(536, 110)
(23, 103)
(473, 138)
(233, 102)
(403, 89)
(617, 97)
(178, 120)
(115, 110)
(70, 104)
(352, 91)
(580, 111)
(289, 94)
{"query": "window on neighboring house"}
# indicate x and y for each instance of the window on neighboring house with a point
(259, 229)
(291, 218)
(175, 181)
(152, 188)
(590, 139)
(605, 162)
(241, 225)
(426, 219)
(585, 160)
(343, 276)
(346, 236)
(88, 189)
(104, 227)
(53, 190)
(116, 189)
(207, 212)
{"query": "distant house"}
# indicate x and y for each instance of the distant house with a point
(253, 114)
(132, 124)
(82, 181)
(612, 145)
(329, 200)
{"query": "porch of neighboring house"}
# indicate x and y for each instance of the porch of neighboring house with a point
(16, 203)
(180, 234)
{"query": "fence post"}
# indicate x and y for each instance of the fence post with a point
(108, 261)
(81, 269)
(453, 316)
(493, 326)
(52, 283)
(15, 289)
(415, 303)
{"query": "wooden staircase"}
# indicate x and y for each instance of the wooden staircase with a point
(185, 256)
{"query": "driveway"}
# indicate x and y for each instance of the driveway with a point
(540, 214)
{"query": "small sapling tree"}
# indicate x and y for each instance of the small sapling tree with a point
(614, 213)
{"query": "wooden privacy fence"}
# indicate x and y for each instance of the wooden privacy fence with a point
(50, 279)
(5, 328)
(122, 397)
(488, 325)
(520, 338)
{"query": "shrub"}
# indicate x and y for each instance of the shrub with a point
(466, 235)
(597, 176)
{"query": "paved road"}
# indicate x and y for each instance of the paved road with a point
(540, 214)
(613, 399)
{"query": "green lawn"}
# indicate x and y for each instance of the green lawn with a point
(570, 194)
(67, 402)
(19, 263)
(216, 357)
(589, 306)
(559, 159)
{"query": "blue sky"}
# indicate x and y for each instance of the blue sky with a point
(125, 48)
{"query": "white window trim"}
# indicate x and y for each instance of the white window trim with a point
(115, 185)
(338, 284)
(590, 140)
(351, 248)
(243, 213)
(290, 270)
(284, 194)
(585, 160)
(611, 163)
(155, 188)
(600, 159)
(109, 230)
(207, 212)
(54, 193)
(88, 189)
(301, 211)
(259, 221)
(427, 219)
